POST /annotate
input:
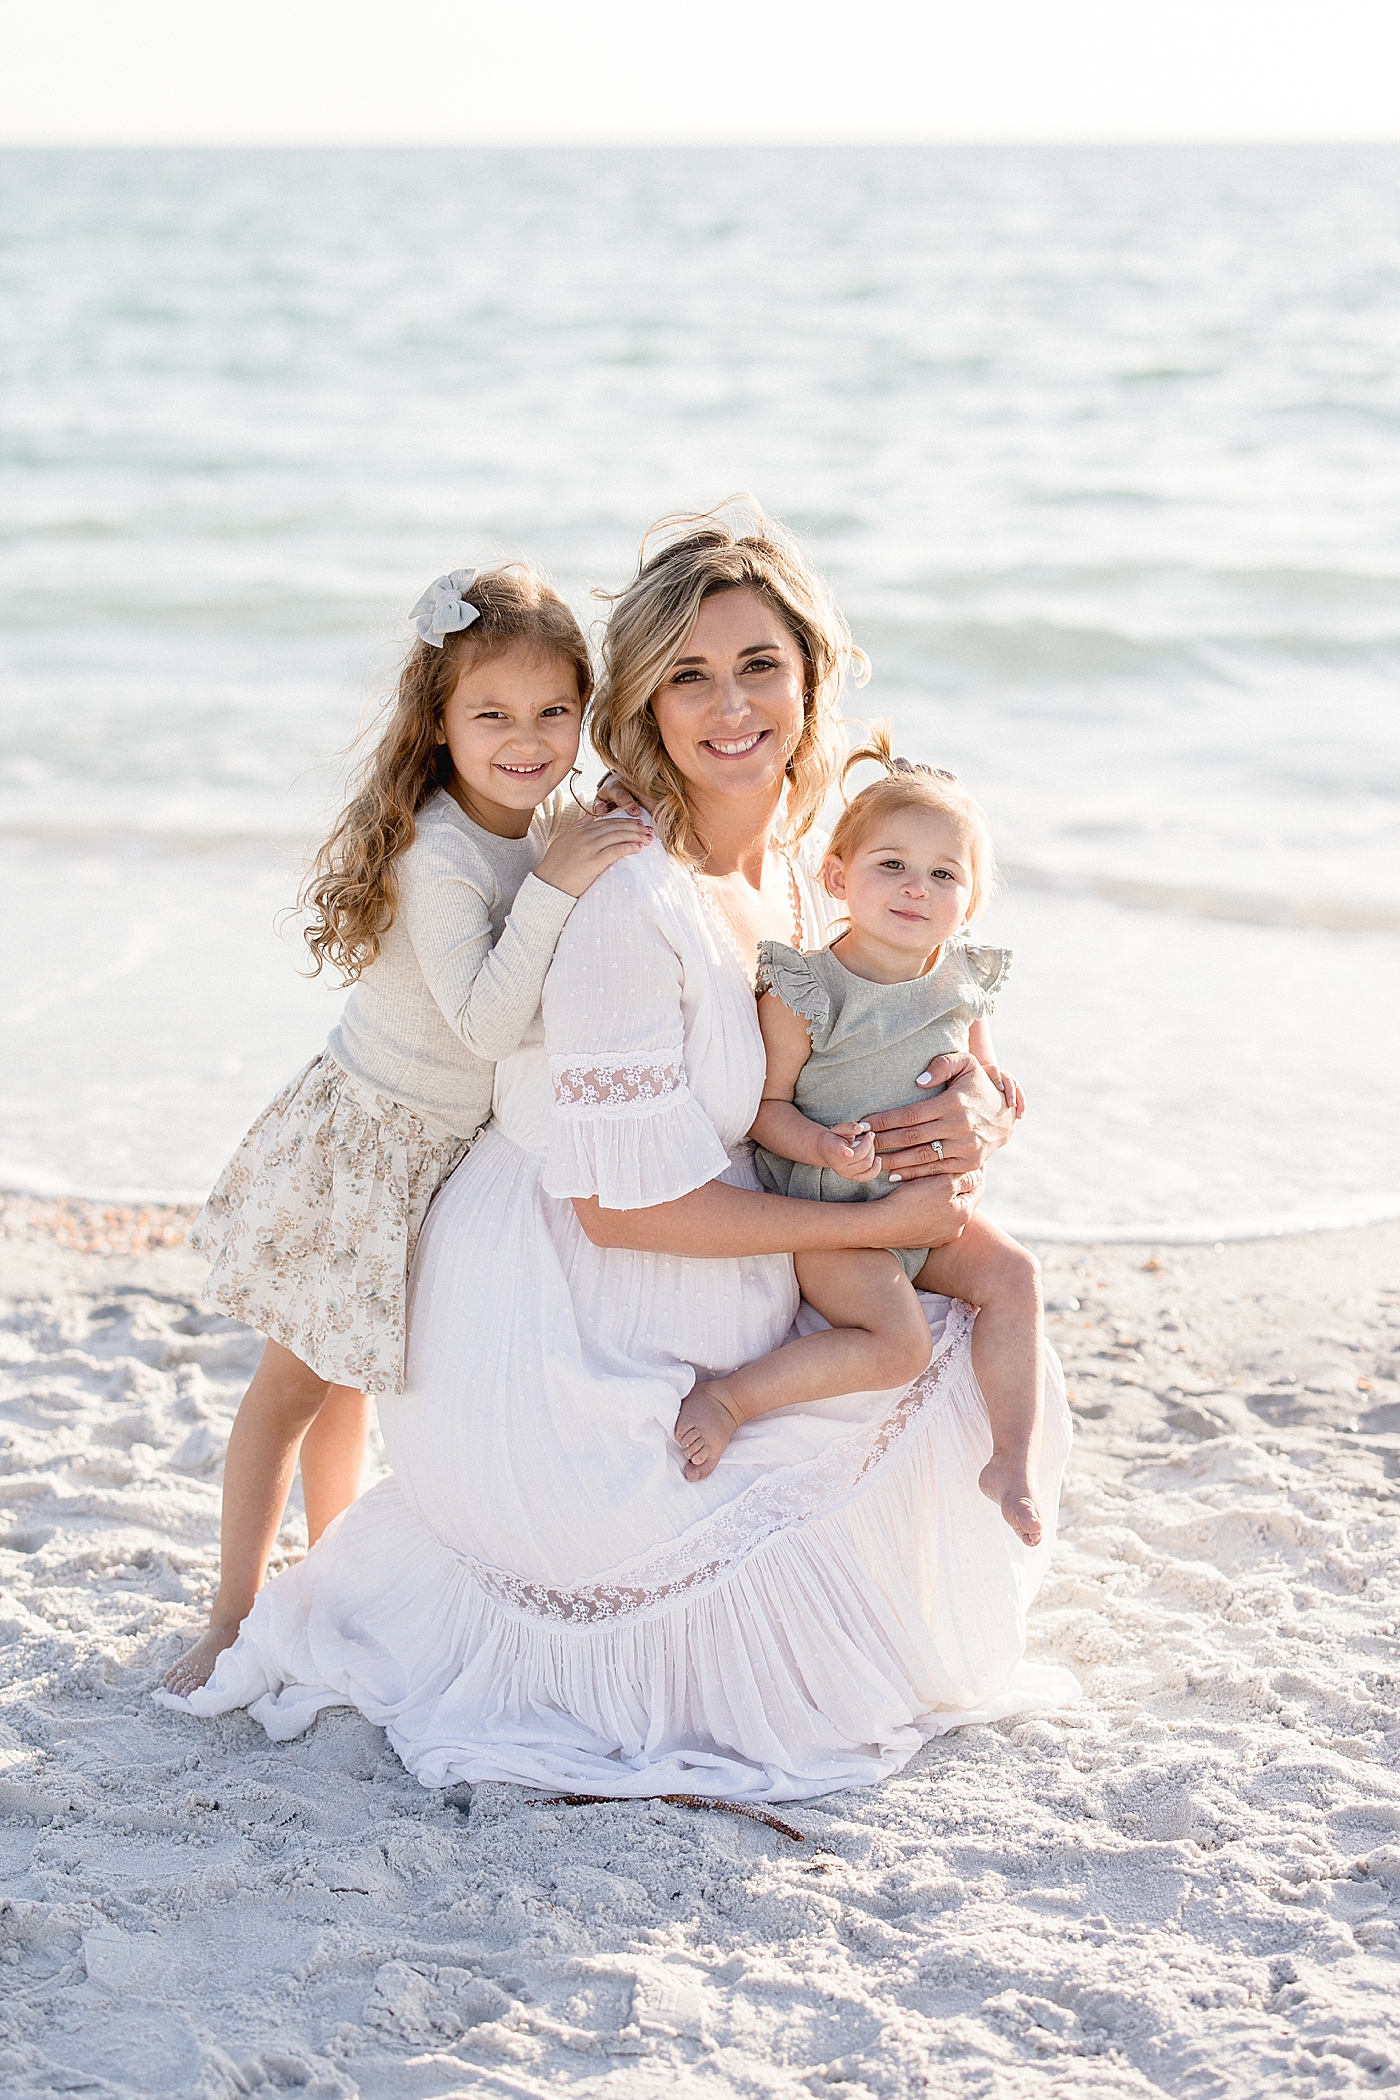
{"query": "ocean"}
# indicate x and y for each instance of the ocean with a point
(1099, 446)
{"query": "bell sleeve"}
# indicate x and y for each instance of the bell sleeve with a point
(625, 1127)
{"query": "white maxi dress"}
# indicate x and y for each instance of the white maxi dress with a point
(538, 1594)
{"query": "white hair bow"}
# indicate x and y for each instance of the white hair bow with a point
(443, 610)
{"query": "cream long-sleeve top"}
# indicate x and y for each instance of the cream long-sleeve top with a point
(459, 974)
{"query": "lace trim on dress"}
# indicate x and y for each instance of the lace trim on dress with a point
(617, 1081)
(656, 1580)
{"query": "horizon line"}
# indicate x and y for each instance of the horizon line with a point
(673, 142)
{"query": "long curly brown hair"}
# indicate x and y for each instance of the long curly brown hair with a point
(351, 895)
(701, 553)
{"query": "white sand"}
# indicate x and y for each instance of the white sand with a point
(1188, 1885)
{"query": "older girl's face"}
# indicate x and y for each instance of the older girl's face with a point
(730, 709)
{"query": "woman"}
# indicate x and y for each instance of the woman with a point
(538, 1594)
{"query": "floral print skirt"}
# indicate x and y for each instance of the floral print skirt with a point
(311, 1227)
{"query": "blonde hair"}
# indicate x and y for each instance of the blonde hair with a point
(910, 786)
(702, 553)
(351, 893)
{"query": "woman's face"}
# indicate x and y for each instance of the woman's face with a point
(730, 709)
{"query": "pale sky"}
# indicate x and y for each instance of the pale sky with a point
(427, 72)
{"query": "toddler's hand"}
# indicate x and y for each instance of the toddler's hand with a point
(849, 1150)
(1011, 1093)
(579, 855)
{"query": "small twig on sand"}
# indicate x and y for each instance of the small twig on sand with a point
(727, 1808)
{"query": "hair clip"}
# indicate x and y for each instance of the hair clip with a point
(911, 765)
(442, 610)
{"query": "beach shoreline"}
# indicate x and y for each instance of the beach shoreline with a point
(1192, 1875)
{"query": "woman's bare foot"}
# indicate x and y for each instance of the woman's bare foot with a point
(1006, 1481)
(196, 1666)
(703, 1428)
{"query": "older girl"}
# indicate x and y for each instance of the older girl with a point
(440, 896)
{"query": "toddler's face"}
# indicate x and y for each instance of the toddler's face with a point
(512, 725)
(908, 884)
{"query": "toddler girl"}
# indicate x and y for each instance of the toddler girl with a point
(439, 896)
(847, 1030)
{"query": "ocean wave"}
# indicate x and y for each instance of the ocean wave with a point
(1048, 653)
(1339, 1214)
(1271, 586)
(1134, 893)
(1042, 652)
(1204, 901)
(120, 838)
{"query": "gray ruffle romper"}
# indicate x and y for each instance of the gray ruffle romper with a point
(869, 1044)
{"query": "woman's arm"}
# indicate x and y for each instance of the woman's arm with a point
(718, 1221)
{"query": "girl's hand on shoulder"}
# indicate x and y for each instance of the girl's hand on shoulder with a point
(849, 1150)
(579, 855)
(615, 798)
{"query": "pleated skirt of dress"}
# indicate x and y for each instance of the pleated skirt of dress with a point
(865, 1601)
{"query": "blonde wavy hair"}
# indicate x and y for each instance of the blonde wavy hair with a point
(351, 895)
(684, 560)
(907, 785)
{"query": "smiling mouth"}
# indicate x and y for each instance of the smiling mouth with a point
(525, 772)
(734, 747)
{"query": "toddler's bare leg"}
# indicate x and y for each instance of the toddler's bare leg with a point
(878, 1339)
(985, 1267)
(276, 1412)
(333, 1457)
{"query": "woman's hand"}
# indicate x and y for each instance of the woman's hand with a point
(931, 1212)
(1015, 1099)
(579, 855)
(952, 1134)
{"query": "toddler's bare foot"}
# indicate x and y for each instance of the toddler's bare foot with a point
(196, 1666)
(1006, 1481)
(703, 1428)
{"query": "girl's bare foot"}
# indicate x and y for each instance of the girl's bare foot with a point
(196, 1666)
(703, 1428)
(1006, 1481)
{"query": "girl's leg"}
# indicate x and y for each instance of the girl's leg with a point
(276, 1412)
(985, 1267)
(878, 1339)
(333, 1457)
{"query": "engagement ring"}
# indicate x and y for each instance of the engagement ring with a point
(938, 1148)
